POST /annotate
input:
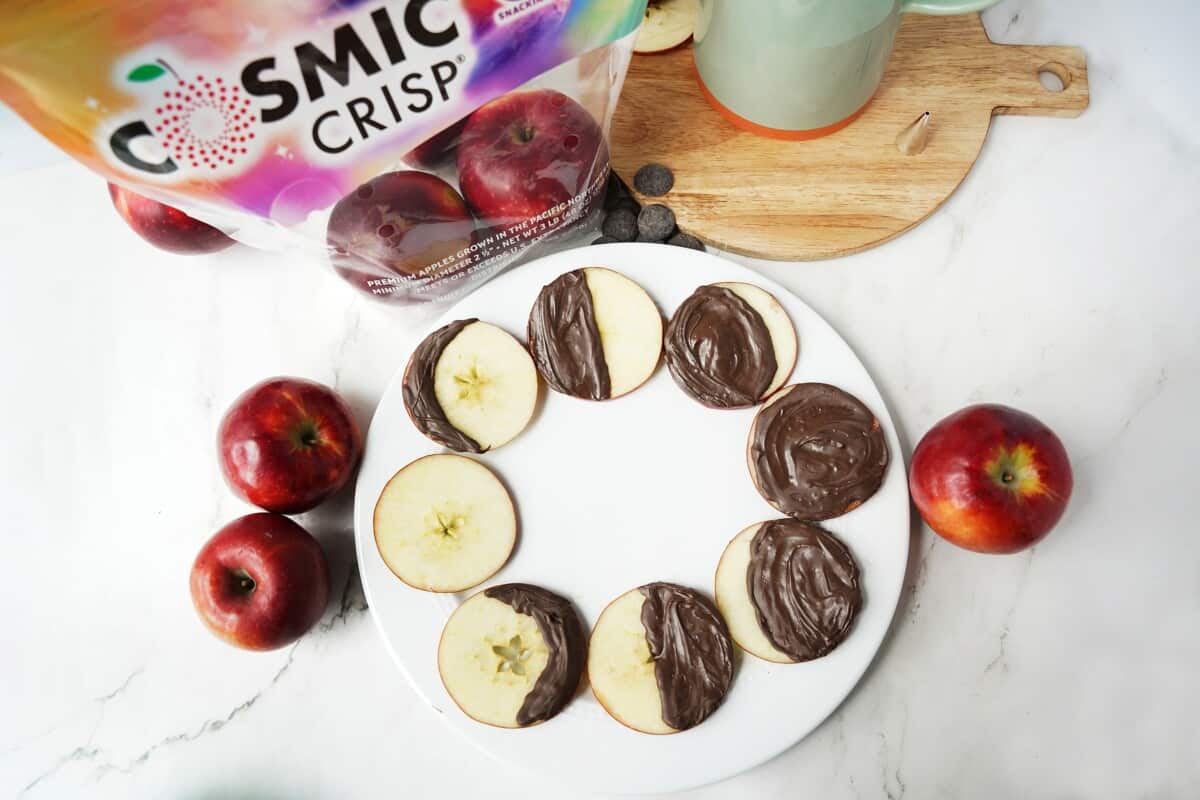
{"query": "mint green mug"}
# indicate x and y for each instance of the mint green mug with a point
(798, 69)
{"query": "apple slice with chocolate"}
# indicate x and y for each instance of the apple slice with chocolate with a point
(788, 589)
(512, 655)
(470, 386)
(444, 523)
(816, 452)
(660, 659)
(595, 334)
(730, 345)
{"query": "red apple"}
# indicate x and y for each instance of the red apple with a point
(991, 479)
(287, 444)
(399, 232)
(437, 148)
(526, 152)
(260, 582)
(164, 226)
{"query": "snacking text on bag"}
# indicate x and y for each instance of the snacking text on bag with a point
(416, 146)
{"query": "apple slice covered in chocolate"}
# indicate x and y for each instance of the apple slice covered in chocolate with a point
(444, 523)
(730, 345)
(816, 452)
(660, 659)
(470, 386)
(512, 655)
(594, 334)
(789, 590)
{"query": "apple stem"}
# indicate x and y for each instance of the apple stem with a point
(1007, 477)
(245, 583)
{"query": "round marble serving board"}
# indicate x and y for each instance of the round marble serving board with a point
(611, 495)
(854, 189)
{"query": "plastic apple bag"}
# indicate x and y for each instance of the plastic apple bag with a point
(418, 147)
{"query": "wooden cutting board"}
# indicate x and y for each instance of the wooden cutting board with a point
(853, 189)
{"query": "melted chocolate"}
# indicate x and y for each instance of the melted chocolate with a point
(817, 452)
(803, 584)
(420, 398)
(564, 340)
(719, 349)
(692, 652)
(563, 634)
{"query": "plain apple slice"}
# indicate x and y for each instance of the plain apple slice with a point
(486, 384)
(779, 326)
(444, 523)
(733, 599)
(620, 669)
(630, 326)
(489, 658)
(667, 24)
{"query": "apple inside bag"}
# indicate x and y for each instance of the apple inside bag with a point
(416, 152)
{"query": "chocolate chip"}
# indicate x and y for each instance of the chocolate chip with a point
(621, 225)
(686, 240)
(653, 180)
(656, 223)
(604, 240)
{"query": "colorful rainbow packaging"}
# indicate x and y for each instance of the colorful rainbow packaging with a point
(416, 146)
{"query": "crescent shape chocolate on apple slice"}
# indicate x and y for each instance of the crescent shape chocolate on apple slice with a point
(470, 386)
(512, 655)
(789, 590)
(730, 345)
(660, 658)
(595, 334)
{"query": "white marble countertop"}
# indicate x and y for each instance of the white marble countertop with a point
(1062, 278)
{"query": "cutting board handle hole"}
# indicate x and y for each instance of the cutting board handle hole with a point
(1054, 76)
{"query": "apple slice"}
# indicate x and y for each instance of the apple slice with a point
(470, 386)
(667, 24)
(595, 334)
(730, 345)
(444, 523)
(788, 589)
(660, 658)
(512, 655)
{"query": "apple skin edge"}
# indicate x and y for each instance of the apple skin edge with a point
(991, 479)
(287, 444)
(261, 582)
(166, 227)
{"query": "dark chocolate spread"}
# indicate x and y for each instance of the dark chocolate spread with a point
(420, 398)
(564, 340)
(692, 652)
(563, 634)
(803, 584)
(817, 452)
(719, 350)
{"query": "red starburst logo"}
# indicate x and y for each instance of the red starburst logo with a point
(203, 122)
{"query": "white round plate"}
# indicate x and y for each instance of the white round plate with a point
(611, 495)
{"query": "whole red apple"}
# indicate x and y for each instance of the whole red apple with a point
(260, 582)
(991, 479)
(526, 152)
(399, 232)
(164, 226)
(437, 148)
(287, 444)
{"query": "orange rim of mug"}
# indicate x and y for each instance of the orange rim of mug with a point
(776, 133)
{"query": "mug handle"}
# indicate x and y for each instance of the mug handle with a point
(943, 7)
